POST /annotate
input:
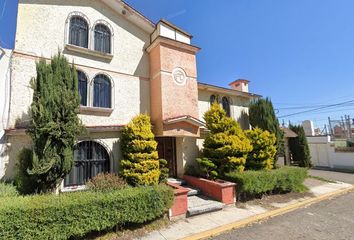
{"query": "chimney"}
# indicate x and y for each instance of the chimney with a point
(240, 85)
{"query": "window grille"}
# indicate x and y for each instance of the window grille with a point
(90, 159)
(102, 92)
(102, 38)
(82, 87)
(79, 32)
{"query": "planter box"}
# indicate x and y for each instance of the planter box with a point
(180, 204)
(220, 190)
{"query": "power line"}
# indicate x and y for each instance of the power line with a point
(316, 109)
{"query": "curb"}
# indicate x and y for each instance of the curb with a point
(269, 214)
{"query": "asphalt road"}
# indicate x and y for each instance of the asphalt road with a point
(337, 176)
(331, 219)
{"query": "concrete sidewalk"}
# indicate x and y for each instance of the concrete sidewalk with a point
(206, 223)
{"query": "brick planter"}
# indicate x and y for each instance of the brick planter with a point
(220, 190)
(180, 204)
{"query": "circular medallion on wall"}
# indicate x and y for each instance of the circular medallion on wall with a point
(179, 76)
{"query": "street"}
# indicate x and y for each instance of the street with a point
(327, 220)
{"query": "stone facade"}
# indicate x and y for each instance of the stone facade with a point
(151, 67)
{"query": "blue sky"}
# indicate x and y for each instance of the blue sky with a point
(300, 53)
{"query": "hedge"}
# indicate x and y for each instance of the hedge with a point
(73, 215)
(256, 183)
(7, 190)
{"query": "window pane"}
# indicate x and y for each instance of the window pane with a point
(90, 159)
(226, 105)
(78, 32)
(212, 99)
(102, 92)
(102, 38)
(82, 88)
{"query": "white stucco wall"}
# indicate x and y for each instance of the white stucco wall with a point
(5, 56)
(41, 32)
(41, 27)
(238, 107)
(324, 154)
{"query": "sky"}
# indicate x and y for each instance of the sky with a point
(299, 53)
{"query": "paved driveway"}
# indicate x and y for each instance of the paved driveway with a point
(336, 176)
(328, 220)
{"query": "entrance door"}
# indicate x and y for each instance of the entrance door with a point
(167, 150)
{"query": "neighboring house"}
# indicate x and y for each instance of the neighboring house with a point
(126, 65)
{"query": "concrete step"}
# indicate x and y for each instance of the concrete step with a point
(177, 181)
(202, 204)
(192, 190)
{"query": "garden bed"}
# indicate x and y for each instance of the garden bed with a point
(255, 184)
(220, 190)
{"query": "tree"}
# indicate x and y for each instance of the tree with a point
(55, 124)
(226, 144)
(299, 147)
(141, 161)
(264, 149)
(262, 115)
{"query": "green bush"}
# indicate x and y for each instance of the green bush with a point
(256, 183)
(207, 168)
(226, 144)
(106, 182)
(264, 149)
(25, 183)
(164, 171)
(7, 190)
(141, 161)
(74, 215)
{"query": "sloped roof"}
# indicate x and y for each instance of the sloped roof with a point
(288, 133)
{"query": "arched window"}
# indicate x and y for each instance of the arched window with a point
(226, 105)
(90, 159)
(78, 32)
(102, 91)
(212, 99)
(82, 87)
(102, 38)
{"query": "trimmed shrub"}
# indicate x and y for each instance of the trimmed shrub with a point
(207, 168)
(256, 183)
(7, 190)
(164, 171)
(74, 215)
(226, 145)
(106, 182)
(141, 161)
(264, 150)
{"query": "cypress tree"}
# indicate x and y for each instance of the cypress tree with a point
(262, 115)
(141, 161)
(299, 146)
(55, 124)
(226, 145)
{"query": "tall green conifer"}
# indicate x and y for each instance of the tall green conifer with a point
(262, 115)
(299, 147)
(55, 124)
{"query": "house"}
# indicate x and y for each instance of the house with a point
(126, 65)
